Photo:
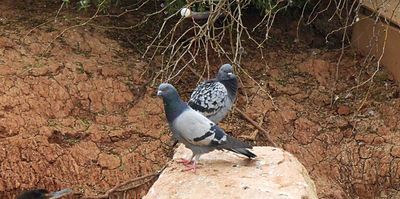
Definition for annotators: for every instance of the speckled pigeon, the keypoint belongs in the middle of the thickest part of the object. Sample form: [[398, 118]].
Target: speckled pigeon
[[43, 194], [196, 131], [214, 98]]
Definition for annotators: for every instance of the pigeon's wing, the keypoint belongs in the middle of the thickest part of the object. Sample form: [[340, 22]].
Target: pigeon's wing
[[197, 129], [208, 98], [200, 131]]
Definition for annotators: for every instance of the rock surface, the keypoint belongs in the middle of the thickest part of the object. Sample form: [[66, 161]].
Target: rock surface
[[273, 174]]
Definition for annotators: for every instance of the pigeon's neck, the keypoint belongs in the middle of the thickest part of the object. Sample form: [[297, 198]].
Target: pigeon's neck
[[173, 108], [231, 86]]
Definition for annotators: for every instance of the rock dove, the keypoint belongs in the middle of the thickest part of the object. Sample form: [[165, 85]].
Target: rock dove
[[43, 194], [196, 131], [214, 98]]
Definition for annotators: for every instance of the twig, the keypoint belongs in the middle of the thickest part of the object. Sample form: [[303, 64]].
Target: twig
[[195, 72], [58, 11], [245, 116], [117, 187], [362, 102], [253, 136], [34, 28], [48, 48]]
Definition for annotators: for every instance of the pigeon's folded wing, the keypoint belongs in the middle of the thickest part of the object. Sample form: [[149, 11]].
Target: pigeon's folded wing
[[208, 98], [198, 130]]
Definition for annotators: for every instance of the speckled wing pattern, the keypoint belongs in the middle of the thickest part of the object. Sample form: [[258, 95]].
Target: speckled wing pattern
[[208, 98]]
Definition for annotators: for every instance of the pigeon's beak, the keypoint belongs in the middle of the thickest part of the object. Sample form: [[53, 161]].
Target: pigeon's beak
[[230, 74], [159, 93]]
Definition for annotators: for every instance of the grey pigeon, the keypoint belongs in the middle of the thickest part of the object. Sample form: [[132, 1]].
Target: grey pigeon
[[43, 194], [196, 131], [214, 98]]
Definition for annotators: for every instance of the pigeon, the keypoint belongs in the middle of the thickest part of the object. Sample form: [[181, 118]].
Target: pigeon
[[214, 98], [194, 130], [43, 194]]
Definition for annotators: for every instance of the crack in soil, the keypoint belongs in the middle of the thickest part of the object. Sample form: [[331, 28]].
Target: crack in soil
[[75, 117]]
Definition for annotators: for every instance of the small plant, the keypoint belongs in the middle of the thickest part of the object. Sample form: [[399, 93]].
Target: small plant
[[83, 4]]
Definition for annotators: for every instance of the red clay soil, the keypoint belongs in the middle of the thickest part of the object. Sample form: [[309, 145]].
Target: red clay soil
[[71, 117], [75, 115]]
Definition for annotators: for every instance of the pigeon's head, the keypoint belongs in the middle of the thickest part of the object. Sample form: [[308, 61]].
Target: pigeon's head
[[173, 105], [34, 194], [167, 91], [226, 72], [43, 194]]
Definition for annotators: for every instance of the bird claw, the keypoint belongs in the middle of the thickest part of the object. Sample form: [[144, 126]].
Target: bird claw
[[189, 164], [191, 167], [184, 161]]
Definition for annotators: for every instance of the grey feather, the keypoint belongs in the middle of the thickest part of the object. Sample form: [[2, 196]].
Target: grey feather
[[214, 98], [194, 130]]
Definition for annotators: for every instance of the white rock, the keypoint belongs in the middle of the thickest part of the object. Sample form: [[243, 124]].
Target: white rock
[[273, 174], [185, 12]]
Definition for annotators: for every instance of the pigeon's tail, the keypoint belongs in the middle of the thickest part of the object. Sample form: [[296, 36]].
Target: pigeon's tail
[[238, 146], [244, 151]]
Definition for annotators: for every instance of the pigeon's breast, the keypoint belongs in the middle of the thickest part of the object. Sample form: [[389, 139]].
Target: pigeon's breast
[[222, 112]]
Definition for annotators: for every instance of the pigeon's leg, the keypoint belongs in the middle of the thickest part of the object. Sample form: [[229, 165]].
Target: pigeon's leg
[[191, 167], [195, 162], [185, 161]]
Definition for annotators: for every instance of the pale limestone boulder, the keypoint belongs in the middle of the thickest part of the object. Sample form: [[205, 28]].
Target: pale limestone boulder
[[275, 173]]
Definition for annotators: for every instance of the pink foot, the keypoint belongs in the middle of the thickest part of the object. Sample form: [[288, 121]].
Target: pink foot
[[191, 167], [184, 161]]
